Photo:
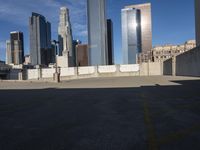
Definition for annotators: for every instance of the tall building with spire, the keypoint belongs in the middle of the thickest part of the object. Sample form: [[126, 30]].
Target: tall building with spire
[[65, 36]]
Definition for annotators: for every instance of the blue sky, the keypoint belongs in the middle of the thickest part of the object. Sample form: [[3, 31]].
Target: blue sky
[[173, 20]]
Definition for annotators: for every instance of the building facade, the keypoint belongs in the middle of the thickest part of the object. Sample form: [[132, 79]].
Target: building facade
[[65, 36], [82, 55], [146, 25], [40, 39], [97, 33], [131, 35], [197, 16], [15, 48], [8, 53], [110, 42], [162, 53]]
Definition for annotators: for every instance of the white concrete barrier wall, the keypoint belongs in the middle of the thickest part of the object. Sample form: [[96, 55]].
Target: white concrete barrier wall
[[107, 69], [144, 69], [67, 72], [32, 74], [155, 69], [129, 68], [86, 70], [48, 73]]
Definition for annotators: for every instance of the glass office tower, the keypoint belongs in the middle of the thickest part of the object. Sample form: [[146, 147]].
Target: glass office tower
[[131, 35], [40, 39], [146, 25], [97, 32], [197, 16]]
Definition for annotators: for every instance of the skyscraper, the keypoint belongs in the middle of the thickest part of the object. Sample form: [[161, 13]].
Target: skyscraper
[[8, 53], [110, 42], [97, 33], [17, 47], [146, 25], [65, 36], [197, 16], [131, 35], [136, 31], [40, 39]]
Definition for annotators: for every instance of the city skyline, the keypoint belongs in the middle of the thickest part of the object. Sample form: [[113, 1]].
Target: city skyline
[[161, 27]]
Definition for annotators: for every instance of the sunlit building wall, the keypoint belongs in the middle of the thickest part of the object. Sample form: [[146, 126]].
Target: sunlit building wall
[[131, 35], [8, 53], [65, 36], [146, 25]]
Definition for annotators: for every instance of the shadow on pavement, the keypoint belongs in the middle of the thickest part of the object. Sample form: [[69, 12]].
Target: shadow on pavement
[[145, 118]]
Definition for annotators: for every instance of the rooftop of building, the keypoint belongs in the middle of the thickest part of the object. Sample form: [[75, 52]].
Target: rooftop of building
[[37, 15], [63, 8], [138, 5], [166, 45], [15, 32]]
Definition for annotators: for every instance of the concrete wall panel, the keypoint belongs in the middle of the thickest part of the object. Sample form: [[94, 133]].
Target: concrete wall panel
[[129, 68]]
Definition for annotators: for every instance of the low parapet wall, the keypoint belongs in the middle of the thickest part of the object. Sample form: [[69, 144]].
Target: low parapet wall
[[186, 64], [144, 69], [167, 69]]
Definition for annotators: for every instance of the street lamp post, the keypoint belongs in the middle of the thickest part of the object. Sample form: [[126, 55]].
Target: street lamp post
[[56, 74]]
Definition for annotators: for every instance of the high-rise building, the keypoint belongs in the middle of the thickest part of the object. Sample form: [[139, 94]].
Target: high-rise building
[[51, 54], [97, 34], [110, 42], [136, 31], [131, 35], [146, 25], [65, 36], [40, 39], [197, 16], [8, 53], [82, 55], [17, 47]]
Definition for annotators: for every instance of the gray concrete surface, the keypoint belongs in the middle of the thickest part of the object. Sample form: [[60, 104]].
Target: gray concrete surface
[[186, 64], [126, 113]]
